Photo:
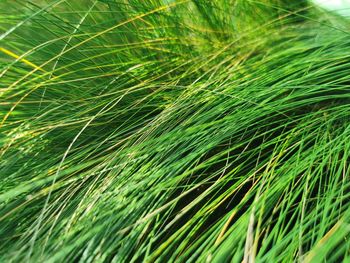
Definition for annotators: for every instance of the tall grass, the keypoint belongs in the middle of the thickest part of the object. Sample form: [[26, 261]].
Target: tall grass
[[174, 131]]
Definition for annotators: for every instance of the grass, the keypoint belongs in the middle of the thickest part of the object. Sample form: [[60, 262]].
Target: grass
[[174, 131]]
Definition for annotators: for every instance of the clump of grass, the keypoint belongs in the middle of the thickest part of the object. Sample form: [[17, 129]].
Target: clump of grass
[[174, 131]]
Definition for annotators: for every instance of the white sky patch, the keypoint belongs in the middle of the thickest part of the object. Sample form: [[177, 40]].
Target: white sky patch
[[342, 7]]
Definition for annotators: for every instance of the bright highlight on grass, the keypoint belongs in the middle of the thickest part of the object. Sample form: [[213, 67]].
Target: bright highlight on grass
[[174, 131]]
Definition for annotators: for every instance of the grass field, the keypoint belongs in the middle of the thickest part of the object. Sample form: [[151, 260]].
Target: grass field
[[174, 131]]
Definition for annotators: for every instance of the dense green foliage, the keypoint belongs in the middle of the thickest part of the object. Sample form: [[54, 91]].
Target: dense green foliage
[[173, 131]]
